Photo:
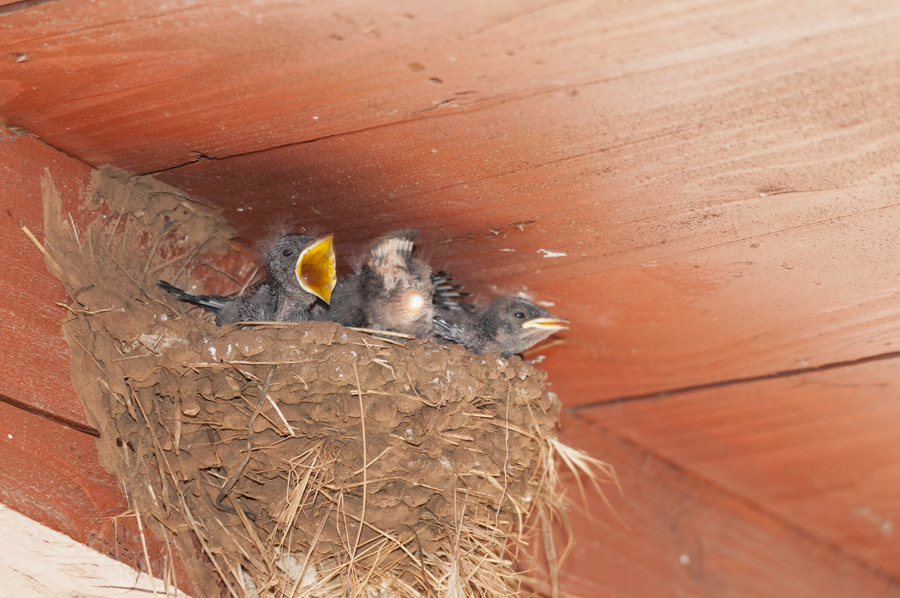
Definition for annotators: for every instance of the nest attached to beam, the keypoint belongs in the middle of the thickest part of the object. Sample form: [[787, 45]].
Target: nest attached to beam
[[296, 459]]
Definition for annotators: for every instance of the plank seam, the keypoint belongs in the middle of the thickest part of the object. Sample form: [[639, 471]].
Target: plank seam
[[802, 532], [790, 373], [69, 423], [22, 5]]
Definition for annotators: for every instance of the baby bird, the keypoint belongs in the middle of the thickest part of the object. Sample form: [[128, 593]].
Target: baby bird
[[509, 325], [392, 291], [300, 268]]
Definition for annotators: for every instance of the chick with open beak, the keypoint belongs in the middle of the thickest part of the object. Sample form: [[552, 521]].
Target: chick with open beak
[[301, 269]]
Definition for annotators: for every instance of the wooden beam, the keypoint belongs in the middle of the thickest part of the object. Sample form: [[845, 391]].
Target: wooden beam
[[815, 451], [160, 85], [31, 340], [676, 535], [49, 468], [47, 563]]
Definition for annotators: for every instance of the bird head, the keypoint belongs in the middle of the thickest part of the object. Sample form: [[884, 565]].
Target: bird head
[[300, 262], [517, 324]]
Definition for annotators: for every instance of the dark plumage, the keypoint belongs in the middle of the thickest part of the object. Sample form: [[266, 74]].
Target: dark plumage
[[446, 294], [300, 268], [509, 325], [392, 291]]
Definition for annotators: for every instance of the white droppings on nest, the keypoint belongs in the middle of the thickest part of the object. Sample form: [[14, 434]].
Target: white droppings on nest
[[159, 341], [297, 566]]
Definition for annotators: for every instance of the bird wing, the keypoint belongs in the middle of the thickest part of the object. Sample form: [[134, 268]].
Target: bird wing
[[447, 295], [448, 332], [211, 303], [389, 257]]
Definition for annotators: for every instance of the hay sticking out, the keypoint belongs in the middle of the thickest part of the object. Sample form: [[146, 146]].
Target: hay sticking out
[[288, 460]]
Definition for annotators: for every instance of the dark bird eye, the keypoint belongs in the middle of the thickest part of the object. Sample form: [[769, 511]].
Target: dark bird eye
[[287, 252], [519, 315]]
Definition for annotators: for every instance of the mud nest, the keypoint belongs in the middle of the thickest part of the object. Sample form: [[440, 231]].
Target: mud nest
[[295, 459]]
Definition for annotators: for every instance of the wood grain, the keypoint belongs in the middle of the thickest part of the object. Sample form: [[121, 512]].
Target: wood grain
[[159, 85], [675, 535], [816, 451], [722, 177], [31, 341], [47, 563], [51, 474]]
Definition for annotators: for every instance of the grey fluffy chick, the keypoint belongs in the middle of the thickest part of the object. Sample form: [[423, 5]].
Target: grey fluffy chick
[[391, 291], [509, 325], [300, 268]]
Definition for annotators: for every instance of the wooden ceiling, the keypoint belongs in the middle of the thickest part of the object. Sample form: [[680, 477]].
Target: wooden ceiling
[[718, 181]]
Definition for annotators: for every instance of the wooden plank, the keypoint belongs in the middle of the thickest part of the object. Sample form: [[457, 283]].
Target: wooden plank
[[31, 340], [49, 468], [51, 474], [680, 536], [815, 451], [47, 563], [161, 84]]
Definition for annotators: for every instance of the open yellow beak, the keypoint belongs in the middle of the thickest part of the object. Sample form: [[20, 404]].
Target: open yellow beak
[[547, 324], [317, 269]]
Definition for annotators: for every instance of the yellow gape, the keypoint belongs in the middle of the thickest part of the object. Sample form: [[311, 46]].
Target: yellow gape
[[316, 269]]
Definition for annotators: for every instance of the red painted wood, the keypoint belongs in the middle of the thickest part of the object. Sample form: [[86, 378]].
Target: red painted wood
[[677, 536], [161, 84], [817, 451], [49, 468], [723, 183], [51, 474], [31, 340]]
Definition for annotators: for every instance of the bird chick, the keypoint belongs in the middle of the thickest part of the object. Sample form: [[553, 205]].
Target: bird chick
[[509, 325], [391, 291], [300, 269]]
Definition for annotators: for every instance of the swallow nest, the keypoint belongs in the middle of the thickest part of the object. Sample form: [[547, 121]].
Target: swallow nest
[[306, 459]]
